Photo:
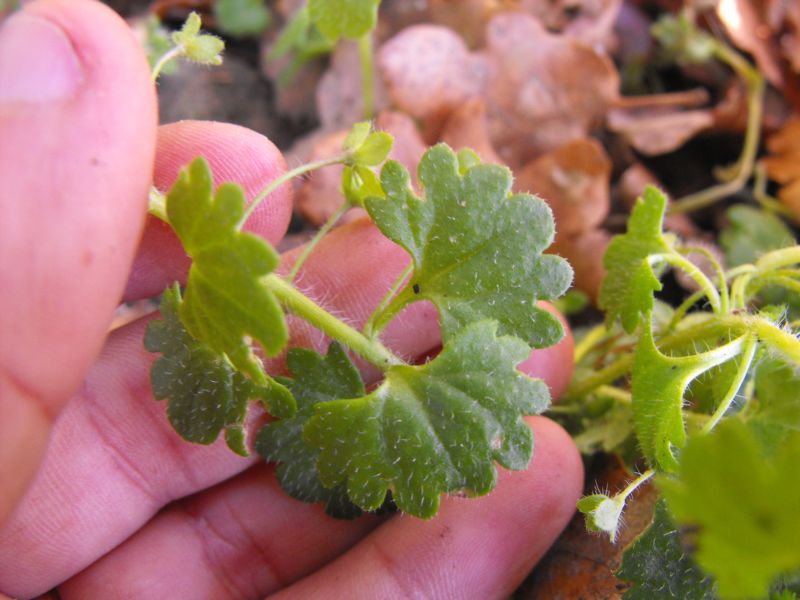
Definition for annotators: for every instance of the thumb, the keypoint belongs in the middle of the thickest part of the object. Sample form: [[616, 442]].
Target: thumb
[[77, 136]]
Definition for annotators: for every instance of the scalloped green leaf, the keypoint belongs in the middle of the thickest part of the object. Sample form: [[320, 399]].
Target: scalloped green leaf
[[627, 290], [225, 303], [658, 385], [742, 498], [317, 379], [659, 567], [344, 18], [477, 249], [204, 392], [432, 428]]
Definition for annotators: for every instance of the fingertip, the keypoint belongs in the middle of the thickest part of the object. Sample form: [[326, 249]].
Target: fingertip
[[235, 154], [553, 364]]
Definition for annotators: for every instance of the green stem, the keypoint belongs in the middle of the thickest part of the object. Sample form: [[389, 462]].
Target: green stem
[[589, 341], [676, 260], [631, 487], [370, 329], [774, 279], [748, 352], [743, 167], [309, 247], [389, 312], [171, 54], [681, 311], [722, 285], [288, 176], [778, 259], [783, 341], [367, 74], [371, 350]]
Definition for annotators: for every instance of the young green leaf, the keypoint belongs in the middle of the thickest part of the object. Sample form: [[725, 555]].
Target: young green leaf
[[242, 18], [744, 504], [202, 48], [477, 249], [204, 392], [627, 290], [317, 379], [658, 385], [224, 300], [344, 18], [433, 428], [658, 566]]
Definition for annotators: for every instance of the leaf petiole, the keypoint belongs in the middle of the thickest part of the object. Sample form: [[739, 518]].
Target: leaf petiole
[[309, 247], [370, 327], [676, 260], [367, 74], [371, 350], [748, 352]]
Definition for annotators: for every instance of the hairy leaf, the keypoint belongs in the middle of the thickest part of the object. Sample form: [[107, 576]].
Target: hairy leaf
[[224, 300], [477, 249], [744, 505], [204, 392], [433, 428], [317, 379], [344, 18], [658, 385], [658, 566], [627, 290]]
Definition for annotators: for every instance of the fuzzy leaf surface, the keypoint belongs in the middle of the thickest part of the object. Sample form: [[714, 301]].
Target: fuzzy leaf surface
[[744, 502], [432, 428], [204, 392], [658, 386], [658, 566], [627, 290], [317, 379], [477, 249], [224, 300], [343, 18]]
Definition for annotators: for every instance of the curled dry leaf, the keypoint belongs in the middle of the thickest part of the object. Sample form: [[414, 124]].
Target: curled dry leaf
[[574, 180], [783, 164], [544, 89], [340, 101], [429, 71], [658, 130], [468, 127], [320, 195]]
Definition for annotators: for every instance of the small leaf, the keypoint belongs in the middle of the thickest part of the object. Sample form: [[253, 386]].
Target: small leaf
[[743, 502], [242, 18], [658, 566], [374, 149], [205, 393], [201, 48], [477, 249], [357, 135], [343, 18], [627, 290], [317, 379], [224, 300], [658, 386], [360, 183], [432, 428]]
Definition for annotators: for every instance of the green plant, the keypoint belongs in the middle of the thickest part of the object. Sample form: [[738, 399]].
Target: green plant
[[703, 404], [429, 429]]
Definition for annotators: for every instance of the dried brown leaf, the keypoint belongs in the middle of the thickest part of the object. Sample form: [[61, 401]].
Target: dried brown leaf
[[574, 180], [658, 130], [468, 127], [544, 89], [783, 164], [429, 71]]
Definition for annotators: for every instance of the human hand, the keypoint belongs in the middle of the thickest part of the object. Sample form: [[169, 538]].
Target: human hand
[[120, 506]]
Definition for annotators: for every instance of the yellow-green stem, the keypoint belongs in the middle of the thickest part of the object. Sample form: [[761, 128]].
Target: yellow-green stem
[[309, 247], [371, 350], [370, 328], [367, 74], [748, 352]]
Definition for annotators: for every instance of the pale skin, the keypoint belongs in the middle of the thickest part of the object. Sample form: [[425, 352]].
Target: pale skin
[[97, 495]]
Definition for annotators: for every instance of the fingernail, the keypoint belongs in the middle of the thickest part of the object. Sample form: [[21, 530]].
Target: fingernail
[[37, 61]]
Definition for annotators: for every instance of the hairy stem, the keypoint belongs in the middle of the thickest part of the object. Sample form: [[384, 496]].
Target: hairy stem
[[370, 327], [371, 350], [288, 176], [169, 55], [676, 260], [309, 247], [748, 352]]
